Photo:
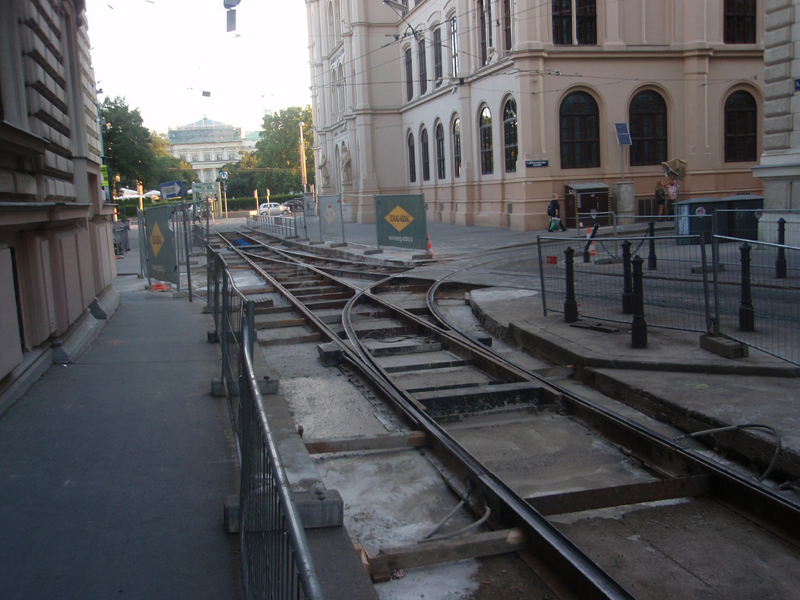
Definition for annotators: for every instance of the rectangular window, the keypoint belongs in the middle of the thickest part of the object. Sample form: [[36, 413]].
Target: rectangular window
[[583, 20], [507, 25], [437, 56], [454, 45], [740, 22], [423, 69], [409, 77]]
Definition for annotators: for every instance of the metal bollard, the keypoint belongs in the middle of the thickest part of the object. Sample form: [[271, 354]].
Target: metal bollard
[[652, 261], [780, 261], [570, 304], [638, 325], [747, 316], [627, 282]]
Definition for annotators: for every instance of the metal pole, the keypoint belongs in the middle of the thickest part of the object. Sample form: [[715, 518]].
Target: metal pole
[[223, 324], [176, 237], [570, 304], [638, 325], [747, 320], [341, 216], [627, 280], [780, 262], [541, 275], [706, 296], [652, 261], [186, 226]]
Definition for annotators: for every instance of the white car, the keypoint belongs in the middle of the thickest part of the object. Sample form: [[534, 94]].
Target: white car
[[271, 209]]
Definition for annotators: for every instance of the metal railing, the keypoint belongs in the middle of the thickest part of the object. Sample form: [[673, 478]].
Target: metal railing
[[276, 560], [280, 225], [746, 290]]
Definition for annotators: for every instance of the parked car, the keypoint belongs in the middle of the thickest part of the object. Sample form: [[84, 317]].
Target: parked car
[[295, 205], [271, 209]]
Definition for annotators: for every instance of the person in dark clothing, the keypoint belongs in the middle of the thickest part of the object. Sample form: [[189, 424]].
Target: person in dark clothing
[[554, 211], [661, 196]]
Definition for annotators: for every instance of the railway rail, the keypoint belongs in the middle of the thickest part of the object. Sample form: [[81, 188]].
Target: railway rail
[[452, 391]]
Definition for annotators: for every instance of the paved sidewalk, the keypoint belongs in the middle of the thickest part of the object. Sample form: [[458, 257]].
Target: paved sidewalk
[[115, 467]]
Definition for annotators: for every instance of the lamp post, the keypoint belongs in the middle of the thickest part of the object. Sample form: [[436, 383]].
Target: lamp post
[[302, 159]]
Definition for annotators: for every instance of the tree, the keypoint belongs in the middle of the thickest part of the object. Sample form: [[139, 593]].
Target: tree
[[278, 150], [128, 145], [242, 176], [165, 166]]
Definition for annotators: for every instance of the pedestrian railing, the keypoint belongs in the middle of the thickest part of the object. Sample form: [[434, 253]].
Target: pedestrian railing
[[746, 290], [276, 561], [279, 225]]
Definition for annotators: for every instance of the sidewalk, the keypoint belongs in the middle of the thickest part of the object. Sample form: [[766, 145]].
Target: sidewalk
[[115, 467]]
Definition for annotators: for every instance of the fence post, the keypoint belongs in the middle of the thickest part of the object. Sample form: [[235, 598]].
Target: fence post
[[780, 262], [590, 240], [223, 324], [652, 261], [638, 325], [627, 282], [747, 317], [570, 304]]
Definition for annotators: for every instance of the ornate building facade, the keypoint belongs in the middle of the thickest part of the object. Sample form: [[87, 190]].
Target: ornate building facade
[[206, 145], [56, 248], [488, 107]]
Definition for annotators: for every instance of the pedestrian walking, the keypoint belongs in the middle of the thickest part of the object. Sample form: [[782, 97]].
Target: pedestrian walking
[[554, 212], [661, 196]]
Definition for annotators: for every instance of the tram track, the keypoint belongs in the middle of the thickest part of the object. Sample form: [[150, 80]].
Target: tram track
[[395, 337]]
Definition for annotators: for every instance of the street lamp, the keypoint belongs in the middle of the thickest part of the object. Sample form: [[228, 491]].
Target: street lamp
[[302, 159]]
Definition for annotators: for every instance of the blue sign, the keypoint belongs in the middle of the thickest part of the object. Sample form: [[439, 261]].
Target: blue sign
[[623, 135], [173, 189], [797, 85], [223, 174], [531, 164]]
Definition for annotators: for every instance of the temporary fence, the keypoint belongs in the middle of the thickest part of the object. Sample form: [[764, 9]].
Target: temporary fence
[[282, 225], [275, 557], [743, 289]]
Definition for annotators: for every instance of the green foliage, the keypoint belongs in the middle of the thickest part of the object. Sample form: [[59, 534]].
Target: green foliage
[[134, 152], [278, 150]]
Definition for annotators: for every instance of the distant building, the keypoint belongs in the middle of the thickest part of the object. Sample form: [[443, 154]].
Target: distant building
[[56, 239], [488, 107], [250, 139], [206, 145]]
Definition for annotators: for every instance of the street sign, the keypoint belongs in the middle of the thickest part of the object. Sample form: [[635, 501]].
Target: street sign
[[623, 135], [223, 174], [401, 221], [173, 189], [532, 164]]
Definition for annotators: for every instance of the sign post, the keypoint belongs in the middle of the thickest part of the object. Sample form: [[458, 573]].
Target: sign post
[[624, 139]]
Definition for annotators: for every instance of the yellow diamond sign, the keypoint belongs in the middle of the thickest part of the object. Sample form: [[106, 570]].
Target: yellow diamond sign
[[399, 219], [329, 214], [156, 240]]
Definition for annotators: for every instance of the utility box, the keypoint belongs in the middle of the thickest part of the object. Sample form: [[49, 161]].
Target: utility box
[[740, 219], [587, 203], [695, 217]]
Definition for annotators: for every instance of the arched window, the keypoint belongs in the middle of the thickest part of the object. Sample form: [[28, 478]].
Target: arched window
[[342, 98], [412, 161], [337, 21], [741, 128], [409, 76], [579, 124], [648, 120], [485, 129], [426, 162], [739, 22], [457, 148], [440, 151], [510, 134], [334, 93], [454, 46], [423, 68], [331, 31]]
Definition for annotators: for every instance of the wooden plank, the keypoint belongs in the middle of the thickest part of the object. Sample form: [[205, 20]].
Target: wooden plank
[[436, 553], [636, 493], [389, 441]]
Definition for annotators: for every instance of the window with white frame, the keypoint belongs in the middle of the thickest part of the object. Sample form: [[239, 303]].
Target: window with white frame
[[574, 22], [409, 76], [437, 57], [454, 45], [423, 68]]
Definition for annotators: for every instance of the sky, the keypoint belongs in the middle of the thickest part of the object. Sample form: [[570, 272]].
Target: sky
[[162, 54]]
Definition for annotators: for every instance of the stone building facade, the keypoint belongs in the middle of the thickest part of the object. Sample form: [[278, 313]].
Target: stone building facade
[[206, 145], [56, 248], [488, 107], [780, 163]]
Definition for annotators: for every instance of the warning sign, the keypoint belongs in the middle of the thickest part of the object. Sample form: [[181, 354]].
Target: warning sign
[[156, 240], [329, 214], [399, 219]]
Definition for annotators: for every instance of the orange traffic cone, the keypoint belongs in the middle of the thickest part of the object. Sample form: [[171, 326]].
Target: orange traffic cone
[[430, 247], [592, 251]]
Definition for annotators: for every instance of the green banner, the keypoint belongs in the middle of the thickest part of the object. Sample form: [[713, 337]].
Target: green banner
[[401, 221], [161, 261]]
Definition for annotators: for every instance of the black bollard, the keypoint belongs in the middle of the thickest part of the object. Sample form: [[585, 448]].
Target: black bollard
[[570, 304], [747, 315], [652, 261], [627, 282], [638, 325], [780, 261]]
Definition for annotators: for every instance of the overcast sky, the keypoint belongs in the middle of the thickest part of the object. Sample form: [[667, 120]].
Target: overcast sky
[[162, 54]]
